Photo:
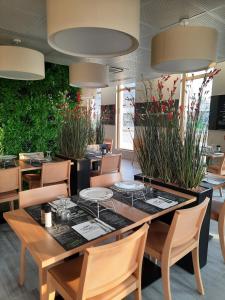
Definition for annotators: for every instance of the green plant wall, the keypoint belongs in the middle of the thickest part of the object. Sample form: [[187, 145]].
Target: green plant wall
[[31, 111]]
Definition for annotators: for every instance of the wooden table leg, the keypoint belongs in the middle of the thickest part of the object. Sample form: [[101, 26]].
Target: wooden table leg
[[43, 283], [22, 264]]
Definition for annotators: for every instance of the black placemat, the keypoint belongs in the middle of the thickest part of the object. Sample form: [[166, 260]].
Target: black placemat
[[67, 237], [149, 194]]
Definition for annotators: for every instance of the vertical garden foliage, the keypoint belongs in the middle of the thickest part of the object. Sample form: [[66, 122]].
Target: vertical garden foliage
[[31, 111]]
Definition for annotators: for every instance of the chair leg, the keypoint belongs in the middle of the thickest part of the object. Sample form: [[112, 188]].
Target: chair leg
[[50, 289], [22, 264], [11, 204], [195, 260], [221, 224], [137, 294], [165, 269]]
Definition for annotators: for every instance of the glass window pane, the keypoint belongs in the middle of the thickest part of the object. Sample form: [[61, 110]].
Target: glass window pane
[[127, 97]]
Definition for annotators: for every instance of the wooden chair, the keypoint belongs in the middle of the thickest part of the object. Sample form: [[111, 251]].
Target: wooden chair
[[105, 180], [33, 179], [218, 214], [111, 271], [109, 143], [10, 184], [168, 244], [110, 164], [34, 197], [56, 172], [42, 195], [218, 167]]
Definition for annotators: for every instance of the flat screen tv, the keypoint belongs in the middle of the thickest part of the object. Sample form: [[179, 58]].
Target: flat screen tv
[[217, 113]]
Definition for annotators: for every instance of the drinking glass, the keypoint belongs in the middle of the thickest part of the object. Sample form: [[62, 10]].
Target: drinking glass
[[48, 156], [65, 214]]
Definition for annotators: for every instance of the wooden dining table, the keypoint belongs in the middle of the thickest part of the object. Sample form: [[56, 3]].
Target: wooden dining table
[[213, 181], [47, 252]]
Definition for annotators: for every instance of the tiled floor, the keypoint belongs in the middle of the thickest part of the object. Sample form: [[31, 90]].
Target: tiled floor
[[183, 284]]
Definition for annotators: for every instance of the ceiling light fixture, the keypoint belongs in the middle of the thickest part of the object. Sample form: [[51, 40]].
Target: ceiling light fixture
[[89, 75], [184, 49], [21, 63], [90, 28]]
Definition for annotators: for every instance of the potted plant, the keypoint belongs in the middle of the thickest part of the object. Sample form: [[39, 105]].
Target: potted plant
[[99, 131], [169, 144], [73, 141]]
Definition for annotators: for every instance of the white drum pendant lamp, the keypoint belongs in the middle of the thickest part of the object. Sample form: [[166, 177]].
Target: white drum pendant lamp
[[184, 49], [93, 28], [89, 75], [21, 63]]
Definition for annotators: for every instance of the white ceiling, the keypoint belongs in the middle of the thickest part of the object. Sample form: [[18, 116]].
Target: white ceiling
[[26, 19]]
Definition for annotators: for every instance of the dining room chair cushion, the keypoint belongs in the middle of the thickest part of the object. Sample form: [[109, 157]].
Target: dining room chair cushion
[[215, 209]]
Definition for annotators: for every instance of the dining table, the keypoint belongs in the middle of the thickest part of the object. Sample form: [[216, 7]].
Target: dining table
[[213, 181], [47, 251]]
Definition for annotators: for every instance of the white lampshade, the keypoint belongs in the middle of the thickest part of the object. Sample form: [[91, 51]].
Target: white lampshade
[[87, 93], [21, 63], [93, 28], [90, 75], [184, 49]]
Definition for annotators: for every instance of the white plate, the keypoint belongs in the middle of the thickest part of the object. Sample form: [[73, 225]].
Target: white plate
[[7, 157], [96, 194], [218, 154], [129, 185]]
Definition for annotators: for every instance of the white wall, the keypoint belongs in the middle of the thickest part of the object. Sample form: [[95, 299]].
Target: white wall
[[217, 137]]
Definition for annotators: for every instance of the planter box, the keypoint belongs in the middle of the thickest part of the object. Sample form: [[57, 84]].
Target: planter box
[[186, 262], [80, 174]]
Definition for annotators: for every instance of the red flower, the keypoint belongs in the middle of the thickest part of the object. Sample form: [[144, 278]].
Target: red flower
[[78, 97], [163, 107], [170, 116]]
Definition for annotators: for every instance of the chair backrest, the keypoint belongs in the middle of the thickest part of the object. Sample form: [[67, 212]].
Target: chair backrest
[[31, 155], [222, 165], [42, 195], [115, 263], [105, 180], [10, 180], [109, 143], [185, 227], [110, 163], [55, 172]]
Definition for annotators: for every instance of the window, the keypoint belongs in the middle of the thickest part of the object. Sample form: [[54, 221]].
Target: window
[[95, 104], [126, 113]]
